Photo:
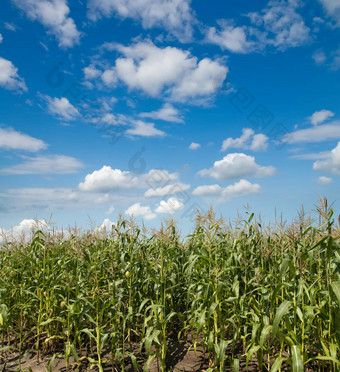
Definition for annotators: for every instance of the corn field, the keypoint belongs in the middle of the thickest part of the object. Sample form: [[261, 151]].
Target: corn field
[[245, 294]]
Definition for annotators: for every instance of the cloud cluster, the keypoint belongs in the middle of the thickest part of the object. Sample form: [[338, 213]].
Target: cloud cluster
[[170, 71], [194, 146], [53, 15], [62, 108], [239, 188], [166, 190], [248, 141], [332, 8], [237, 165], [324, 180], [25, 229], [143, 129], [11, 139], [137, 210], [108, 179], [175, 16], [166, 113], [170, 206], [331, 164], [318, 133], [321, 116], [48, 164], [9, 78], [278, 25]]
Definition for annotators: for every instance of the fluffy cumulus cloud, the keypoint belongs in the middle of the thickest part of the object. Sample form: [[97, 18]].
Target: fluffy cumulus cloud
[[318, 133], [320, 116], [230, 37], [194, 146], [169, 70], [175, 16], [331, 164], [324, 180], [172, 205], [143, 129], [62, 108], [248, 141], [280, 24], [48, 164], [319, 57], [107, 225], [108, 179], [237, 165], [9, 78], [332, 8], [240, 188], [166, 113], [172, 189], [137, 210], [11, 139], [207, 190], [25, 229], [52, 14]]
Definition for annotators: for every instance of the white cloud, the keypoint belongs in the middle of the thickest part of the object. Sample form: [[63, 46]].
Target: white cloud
[[319, 133], [248, 141], [166, 190], [25, 229], [331, 164], [48, 164], [107, 225], [259, 142], [9, 78], [319, 57], [37, 199], [283, 27], [10, 26], [137, 209], [173, 15], [142, 129], [13, 140], [108, 179], [207, 190], [324, 180], [320, 116], [332, 8], [62, 108], [172, 205], [230, 37], [1, 38], [109, 77], [53, 14], [240, 188], [237, 165], [194, 146], [168, 70], [202, 81], [166, 113], [91, 72]]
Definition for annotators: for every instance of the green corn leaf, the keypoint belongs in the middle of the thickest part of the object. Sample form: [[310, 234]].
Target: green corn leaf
[[277, 364], [282, 310], [297, 362]]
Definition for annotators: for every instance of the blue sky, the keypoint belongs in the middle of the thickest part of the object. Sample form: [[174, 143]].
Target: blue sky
[[159, 108]]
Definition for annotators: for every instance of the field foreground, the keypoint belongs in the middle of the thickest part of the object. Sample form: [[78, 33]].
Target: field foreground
[[246, 297]]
